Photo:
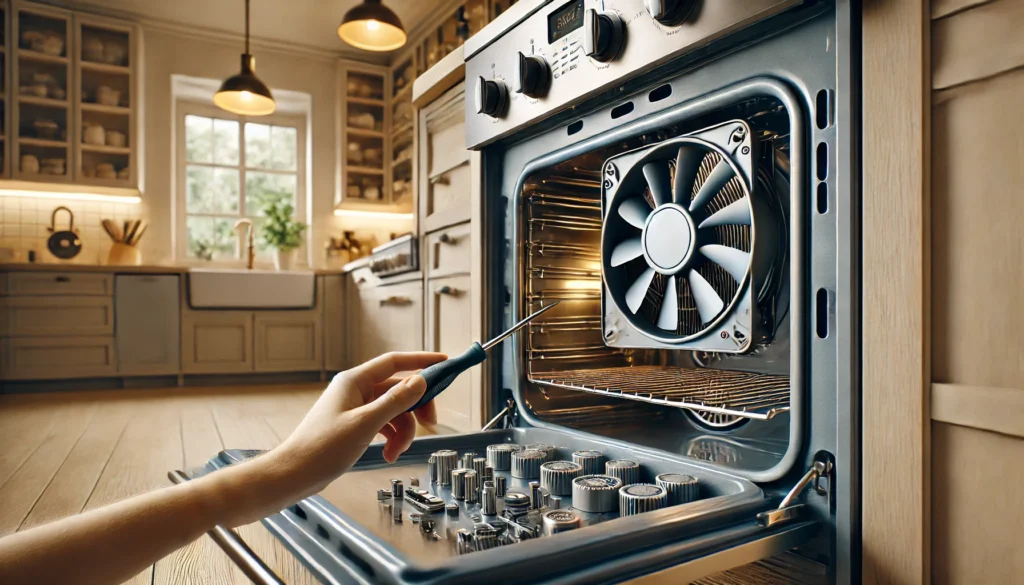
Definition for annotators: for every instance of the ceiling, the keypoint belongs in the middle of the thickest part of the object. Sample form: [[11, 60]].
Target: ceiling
[[303, 23]]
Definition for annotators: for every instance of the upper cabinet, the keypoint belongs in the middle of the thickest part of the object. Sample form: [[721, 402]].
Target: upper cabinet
[[72, 98], [364, 121]]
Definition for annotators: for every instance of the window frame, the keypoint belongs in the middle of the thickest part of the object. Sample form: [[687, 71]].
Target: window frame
[[180, 192]]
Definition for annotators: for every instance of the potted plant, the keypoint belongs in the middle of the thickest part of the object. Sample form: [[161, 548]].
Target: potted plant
[[282, 233]]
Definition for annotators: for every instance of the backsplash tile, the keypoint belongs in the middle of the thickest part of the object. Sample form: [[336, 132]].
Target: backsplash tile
[[25, 222]]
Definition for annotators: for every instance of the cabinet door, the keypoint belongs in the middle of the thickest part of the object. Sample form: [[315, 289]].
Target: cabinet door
[[216, 342], [449, 251], [148, 310], [390, 319], [335, 323], [62, 357], [445, 186], [448, 331], [62, 315], [288, 341]]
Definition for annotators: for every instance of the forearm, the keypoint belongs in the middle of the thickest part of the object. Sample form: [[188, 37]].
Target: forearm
[[113, 543]]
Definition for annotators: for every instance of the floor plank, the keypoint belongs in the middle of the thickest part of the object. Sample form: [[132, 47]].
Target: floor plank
[[22, 436], [21, 492]]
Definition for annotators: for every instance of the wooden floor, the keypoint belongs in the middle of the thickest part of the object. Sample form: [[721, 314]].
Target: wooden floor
[[69, 452]]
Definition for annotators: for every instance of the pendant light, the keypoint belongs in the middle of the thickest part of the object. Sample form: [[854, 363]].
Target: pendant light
[[244, 93], [373, 27]]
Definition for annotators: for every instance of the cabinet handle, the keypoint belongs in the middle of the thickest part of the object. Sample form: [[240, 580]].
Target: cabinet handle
[[447, 290], [361, 280], [440, 180], [62, 279], [398, 301], [446, 238]]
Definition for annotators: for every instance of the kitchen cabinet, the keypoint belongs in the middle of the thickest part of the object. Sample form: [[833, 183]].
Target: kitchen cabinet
[[56, 315], [449, 331], [64, 356], [217, 342], [390, 318], [449, 251], [287, 341], [446, 176], [148, 330], [57, 283], [365, 136], [335, 323]]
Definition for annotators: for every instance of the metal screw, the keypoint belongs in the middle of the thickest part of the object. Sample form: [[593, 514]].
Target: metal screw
[[745, 150], [725, 335]]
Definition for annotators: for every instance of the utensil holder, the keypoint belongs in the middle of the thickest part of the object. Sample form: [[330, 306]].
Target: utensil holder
[[124, 255]]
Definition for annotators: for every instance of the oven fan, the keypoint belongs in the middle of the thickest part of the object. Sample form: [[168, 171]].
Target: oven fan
[[689, 244]]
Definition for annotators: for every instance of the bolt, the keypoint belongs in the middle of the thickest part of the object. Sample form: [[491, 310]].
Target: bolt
[[745, 150], [725, 335]]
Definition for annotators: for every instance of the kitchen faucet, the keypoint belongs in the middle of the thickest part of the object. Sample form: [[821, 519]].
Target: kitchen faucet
[[251, 231]]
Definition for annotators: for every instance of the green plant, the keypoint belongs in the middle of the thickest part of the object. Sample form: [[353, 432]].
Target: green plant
[[202, 249], [279, 229]]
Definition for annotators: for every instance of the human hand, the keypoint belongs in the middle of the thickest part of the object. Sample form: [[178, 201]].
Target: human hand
[[356, 406]]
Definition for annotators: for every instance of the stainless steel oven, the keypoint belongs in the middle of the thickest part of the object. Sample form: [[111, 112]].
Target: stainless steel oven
[[682, 176]]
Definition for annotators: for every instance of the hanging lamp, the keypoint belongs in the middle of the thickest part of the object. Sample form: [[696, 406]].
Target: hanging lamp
[[373, 27], [244, 93]]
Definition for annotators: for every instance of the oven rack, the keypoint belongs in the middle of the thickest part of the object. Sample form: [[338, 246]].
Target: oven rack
[[752, 396]]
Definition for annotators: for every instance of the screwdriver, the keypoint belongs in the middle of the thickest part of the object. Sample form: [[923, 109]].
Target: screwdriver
[[441, 375]]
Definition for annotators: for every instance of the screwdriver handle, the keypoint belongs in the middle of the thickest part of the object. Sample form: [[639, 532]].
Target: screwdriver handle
[[441, 375]]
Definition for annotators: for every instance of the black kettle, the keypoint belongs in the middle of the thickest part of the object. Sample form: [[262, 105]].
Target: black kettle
[[63, 244]]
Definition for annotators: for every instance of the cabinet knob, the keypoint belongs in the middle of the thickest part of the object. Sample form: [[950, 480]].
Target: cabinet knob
[[447, 239], [447, 290]]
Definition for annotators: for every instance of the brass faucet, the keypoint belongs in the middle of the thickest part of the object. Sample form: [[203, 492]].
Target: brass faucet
[[252, 247]]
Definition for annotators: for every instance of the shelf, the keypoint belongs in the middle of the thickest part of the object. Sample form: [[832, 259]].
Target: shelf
[[104, 149], [363, 132], [365, 101], [401, 94], [30, 55], [106, 68], [40, 101], [102, 109], [407, 127], [401, 162], [25, 141], [364, 170]]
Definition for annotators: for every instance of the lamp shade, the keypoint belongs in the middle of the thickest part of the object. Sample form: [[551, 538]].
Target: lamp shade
[[244, 93], [371, 26]]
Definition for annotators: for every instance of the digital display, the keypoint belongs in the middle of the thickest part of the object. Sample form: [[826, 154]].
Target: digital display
[[565, 20]]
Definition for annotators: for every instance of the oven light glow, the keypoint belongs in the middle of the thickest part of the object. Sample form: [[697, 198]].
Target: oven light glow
[[594, 284], [70, 196], [376, 214]]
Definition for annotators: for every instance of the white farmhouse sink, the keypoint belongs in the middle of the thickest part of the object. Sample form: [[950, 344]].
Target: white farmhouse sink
[[211, 288]]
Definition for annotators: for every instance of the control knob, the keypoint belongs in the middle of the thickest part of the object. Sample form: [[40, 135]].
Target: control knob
[[491, 97], [532, 75], [669, 12], [603, 34]]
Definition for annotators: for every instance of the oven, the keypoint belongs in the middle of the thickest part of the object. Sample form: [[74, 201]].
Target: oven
[[682, 178]]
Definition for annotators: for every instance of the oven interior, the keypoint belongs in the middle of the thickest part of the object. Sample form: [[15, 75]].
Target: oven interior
[[729, 409]]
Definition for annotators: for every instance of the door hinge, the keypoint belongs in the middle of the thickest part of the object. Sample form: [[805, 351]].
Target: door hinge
[[787, 510], [507, 417]]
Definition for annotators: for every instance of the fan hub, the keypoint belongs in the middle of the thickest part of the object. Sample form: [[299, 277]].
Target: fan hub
[[668, 239]]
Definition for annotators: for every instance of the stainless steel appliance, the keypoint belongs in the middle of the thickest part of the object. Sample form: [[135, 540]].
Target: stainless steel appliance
[[682, 177], [399, 256]]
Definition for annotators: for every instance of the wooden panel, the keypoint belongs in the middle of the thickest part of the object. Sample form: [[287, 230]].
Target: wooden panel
[[51, 358], [449, 251], [977, 43], [977, 509], [391, 319], [895, 283], [446, 133], [447, 198], [334, 323], [980, 407], [942, 8], [216, 342], [288, 341], [978, 243], [445, 187], [148, 312], [448, 331], [63, 315], [59, 283]]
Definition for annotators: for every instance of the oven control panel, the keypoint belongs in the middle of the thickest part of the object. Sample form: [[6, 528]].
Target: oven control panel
[[567, 51]]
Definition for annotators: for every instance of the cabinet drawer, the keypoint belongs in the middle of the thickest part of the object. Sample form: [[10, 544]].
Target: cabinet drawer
[[58, 283], [449, 251], [391, 318], [448, 331], [363, 278], [448, 197], [60, 315], [288, 341], [216, 342], [49, 358]]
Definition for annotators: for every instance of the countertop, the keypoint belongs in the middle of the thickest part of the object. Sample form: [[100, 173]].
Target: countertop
[[144, 269]]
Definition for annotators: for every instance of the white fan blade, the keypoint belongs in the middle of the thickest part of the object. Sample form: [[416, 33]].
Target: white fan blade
[[734, 261], [688, 161], [668, 319], [626, 251], [638, 290], [635, 211], [709, 304], [719, 176], [657, 176], [736, 213]]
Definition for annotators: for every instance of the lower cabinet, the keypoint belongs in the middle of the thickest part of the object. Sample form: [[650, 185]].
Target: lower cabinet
[[389, 318], [63, 356], [288, 341], [335, 323], [448, 331], [217, 342]]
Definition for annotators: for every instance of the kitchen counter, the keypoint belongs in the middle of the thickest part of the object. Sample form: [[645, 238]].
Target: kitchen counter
[[144, 269]]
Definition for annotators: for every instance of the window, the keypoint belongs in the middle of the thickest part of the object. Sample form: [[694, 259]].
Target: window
[[229, 168]]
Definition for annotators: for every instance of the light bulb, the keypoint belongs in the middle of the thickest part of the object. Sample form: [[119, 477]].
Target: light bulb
[[246, 96], [372, 25]]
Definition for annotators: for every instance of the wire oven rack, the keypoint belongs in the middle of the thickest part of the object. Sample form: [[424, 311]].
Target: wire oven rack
[[561, 261]]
